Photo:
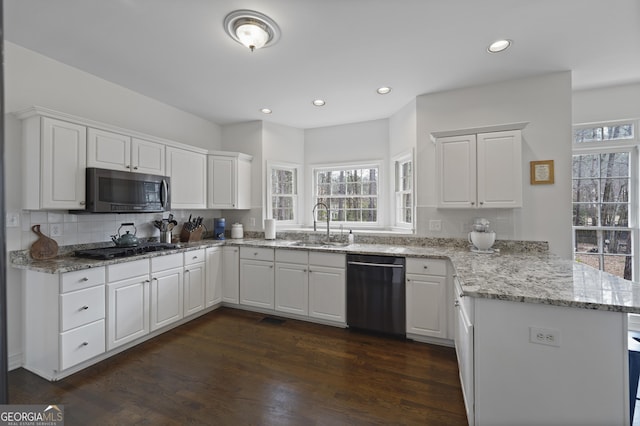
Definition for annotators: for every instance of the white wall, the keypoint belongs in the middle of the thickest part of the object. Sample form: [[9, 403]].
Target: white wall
[[349, 143], [544, 102], [606, 104], [33, 79], [403, 136]]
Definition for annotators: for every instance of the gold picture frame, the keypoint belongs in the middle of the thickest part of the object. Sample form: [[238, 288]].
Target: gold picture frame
[[542, 172]]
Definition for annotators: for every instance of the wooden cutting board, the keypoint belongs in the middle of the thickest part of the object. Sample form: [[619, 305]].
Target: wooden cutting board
[[44, 247]]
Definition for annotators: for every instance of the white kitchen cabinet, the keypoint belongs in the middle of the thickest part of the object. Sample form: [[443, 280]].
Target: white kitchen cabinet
[[166, 290], [194, 281], [64, 320], [292, 282], [426, 296], [188, 173], [482, 170], [128, 292], [114, 151], [231, 275], [213, 270], [464, 348], [229, 180], [257, 285], [54, 162], [327, 286]]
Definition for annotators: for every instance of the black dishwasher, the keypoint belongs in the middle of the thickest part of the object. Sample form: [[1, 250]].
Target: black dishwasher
[[376, 298]]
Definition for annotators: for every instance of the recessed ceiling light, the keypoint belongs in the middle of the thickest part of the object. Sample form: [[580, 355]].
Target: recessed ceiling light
[[319, 102], [499, 46], [265, 111], [383, 90]]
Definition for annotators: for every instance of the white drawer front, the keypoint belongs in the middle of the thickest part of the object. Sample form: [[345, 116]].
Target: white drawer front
[[333, 260], [76, 280], [81, 307], [162, 263], [81, 344], [292, 256], [256, 253], [126, 270], [194, 256], [426, 266]]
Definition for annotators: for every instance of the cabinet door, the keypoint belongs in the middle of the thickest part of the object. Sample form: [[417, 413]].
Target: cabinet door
[[108, 150], [213, 286], [464, 351], [147, 157], [188, 173], [166, 297], [499, 157], [231, 275], [292, 288], [127, 310], [327, 293], [64, 159], [426, 305], [222, 182], [194, 288], [257, 283], [456, 171]]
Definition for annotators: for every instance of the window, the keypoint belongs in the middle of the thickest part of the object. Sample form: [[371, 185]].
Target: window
[[350, 192], [404, 190], [604, 201], [283, 193]]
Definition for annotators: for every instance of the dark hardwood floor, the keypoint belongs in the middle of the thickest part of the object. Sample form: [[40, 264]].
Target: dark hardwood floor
[[230, 367]]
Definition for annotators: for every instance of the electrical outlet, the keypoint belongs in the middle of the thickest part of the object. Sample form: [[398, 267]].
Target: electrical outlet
[[435, 225], [55, 229], [12, 219], [544, 336], [252, 221]]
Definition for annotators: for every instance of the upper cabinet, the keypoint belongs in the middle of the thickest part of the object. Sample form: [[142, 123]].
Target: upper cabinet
[[481, 170], [114, 151], [229, 180], [54, 160], [188, 172]]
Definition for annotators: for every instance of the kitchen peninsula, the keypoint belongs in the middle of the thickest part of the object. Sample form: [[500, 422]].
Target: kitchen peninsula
[[529, 327]]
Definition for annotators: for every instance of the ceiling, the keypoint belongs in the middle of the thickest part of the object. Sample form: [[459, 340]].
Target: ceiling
[[339, 50]]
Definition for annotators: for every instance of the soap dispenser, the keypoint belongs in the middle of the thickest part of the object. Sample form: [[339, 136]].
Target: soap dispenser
[[350, 236]]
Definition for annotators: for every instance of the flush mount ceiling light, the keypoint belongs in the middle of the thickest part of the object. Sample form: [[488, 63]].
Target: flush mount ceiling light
[[499, 46], [383, 90], [319, 102], [252, 29], [265, 111]]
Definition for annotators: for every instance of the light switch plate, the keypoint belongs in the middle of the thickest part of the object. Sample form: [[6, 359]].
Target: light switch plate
[[435, 225], [12, 219]]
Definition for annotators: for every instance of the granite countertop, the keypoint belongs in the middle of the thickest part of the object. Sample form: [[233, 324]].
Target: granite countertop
[[519, 276]]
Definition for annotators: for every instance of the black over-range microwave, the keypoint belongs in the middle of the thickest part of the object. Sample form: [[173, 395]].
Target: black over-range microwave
[[113, 191]]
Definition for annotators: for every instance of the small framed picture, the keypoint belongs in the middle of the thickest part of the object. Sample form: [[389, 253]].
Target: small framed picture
[[542, 172]]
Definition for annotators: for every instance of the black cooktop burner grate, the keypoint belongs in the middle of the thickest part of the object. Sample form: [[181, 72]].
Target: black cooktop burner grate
[[115, 252]]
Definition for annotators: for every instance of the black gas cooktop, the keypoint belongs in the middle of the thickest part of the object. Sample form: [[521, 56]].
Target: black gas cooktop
[[115, 252]]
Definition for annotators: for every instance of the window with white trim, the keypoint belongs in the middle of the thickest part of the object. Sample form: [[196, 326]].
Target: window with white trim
[[404, 190], [283, 193], [351, 192], [604, 201]]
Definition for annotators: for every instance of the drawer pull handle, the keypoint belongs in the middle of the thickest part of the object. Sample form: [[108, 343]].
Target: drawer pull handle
[[84, 279], [85, 344], [425, 267], [194, 257], [84, 308], [456, 303]]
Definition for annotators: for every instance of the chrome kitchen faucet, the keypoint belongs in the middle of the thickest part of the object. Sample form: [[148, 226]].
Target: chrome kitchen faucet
[[328, 217]]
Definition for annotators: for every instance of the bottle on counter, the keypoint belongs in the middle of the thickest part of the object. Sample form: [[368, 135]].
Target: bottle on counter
[[350, 236]]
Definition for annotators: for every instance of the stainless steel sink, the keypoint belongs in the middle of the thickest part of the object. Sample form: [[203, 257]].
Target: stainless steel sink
[[319, 244]]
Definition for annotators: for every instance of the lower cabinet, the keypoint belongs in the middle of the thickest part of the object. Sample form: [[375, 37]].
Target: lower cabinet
[[231, 275], [194, 281], [426, 295], [127, 302], [327, 286], [166, 290], [257, 277], [463, 337], [213, 276], [292, 282]]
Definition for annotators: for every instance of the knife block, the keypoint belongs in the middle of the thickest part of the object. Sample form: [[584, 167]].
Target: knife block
[[187, 236]]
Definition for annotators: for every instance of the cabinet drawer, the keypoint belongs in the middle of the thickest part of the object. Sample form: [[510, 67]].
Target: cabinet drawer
[[81, 307], [126, 270], [292, 256], [77, 280], [426, 266], [81, 344], [333, 260], [256, 253], [162, 263], [194, 256]]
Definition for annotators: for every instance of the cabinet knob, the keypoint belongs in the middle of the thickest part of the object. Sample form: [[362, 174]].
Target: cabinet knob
[[255, 254], [135, 168], [304, 270], [85, 344], [194, 257], [186, 270], [271, 266], [456, 303], [146, 281], [84, 279], [461, 294], [154, 279], [84, 308], [128, 166], [425, 267], [473, 204], [82, 203], [481, 203]]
